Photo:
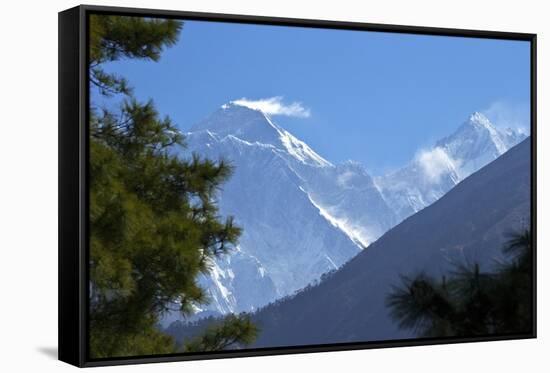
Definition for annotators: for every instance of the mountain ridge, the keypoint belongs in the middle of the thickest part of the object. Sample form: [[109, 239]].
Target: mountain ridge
[[470, 223], [283, 189], [435, 171]]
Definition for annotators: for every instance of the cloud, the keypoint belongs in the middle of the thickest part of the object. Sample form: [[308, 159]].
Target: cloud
[[344, 178], [275, 106], [507, 115], [435, 163]]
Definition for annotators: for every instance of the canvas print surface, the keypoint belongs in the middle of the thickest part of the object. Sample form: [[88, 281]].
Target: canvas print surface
[[257, 186]]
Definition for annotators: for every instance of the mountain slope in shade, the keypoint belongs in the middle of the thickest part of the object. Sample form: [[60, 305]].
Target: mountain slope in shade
[[301, 215], [432, 173], [469, 223]]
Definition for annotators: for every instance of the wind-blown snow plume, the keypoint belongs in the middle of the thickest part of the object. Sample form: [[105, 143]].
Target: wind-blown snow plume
[[435, 163], [505, 115], [275, 106]]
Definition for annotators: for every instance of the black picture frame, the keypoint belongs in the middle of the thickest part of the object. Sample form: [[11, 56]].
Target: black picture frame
[[73, 179]]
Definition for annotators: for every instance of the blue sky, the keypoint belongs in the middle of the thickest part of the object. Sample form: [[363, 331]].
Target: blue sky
[[372, 97]]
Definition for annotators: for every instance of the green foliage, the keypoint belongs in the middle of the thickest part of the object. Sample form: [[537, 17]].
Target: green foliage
[[470, 302], [154, 224], [116, 37], [231, 332]]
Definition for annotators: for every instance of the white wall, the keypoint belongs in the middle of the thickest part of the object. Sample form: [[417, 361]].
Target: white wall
[[28, 184]]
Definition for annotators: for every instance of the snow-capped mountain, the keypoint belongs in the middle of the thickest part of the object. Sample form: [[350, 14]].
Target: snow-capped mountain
[[435, 171], [303, 216], [470, 224]]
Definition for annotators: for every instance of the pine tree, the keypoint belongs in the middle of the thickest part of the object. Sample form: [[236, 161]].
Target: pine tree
[[231, 332], [470, 302], [154, 224]]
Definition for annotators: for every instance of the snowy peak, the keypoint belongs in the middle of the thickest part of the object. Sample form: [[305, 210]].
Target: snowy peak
[[475, 128], [433, 172], [478, 137], [256, 127], [301, 215], [478, 119], [244, 123]]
